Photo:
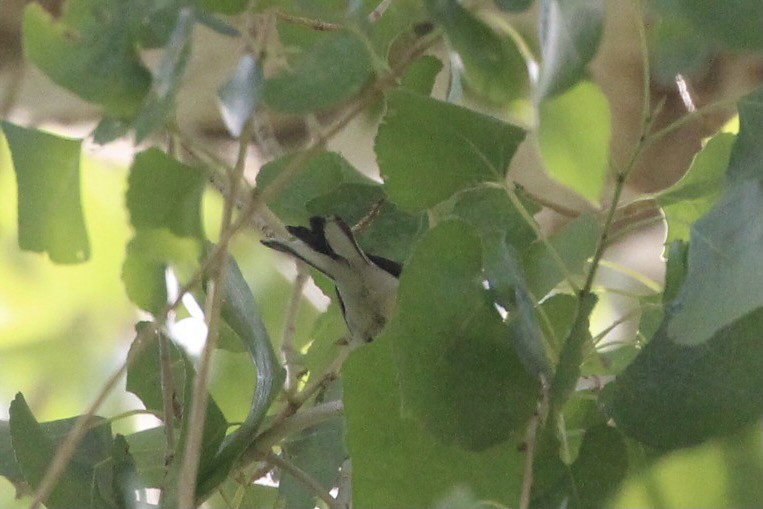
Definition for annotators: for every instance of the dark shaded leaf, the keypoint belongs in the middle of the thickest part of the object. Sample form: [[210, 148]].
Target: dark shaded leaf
[[570, 31], [459, 373], [735, 24], [676, 395], [389, 450], [599, 469], [82, 482]]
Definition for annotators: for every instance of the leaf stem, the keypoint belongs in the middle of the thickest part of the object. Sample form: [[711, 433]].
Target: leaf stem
[[291, 358]]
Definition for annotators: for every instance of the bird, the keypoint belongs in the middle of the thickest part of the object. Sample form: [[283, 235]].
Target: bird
[[366, 285]]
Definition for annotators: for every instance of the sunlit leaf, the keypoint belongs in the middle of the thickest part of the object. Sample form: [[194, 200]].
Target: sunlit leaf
[[573, 136], [693, 196], [471, 148], [723, 473], [149, 254], [48, 175]]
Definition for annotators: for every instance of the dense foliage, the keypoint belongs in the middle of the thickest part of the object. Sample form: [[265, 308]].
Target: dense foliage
[[492, 383]]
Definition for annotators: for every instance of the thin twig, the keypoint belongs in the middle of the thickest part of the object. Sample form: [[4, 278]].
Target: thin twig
[[192, 454], [292, 358], [378, 11], [369, 218], [167, 384], [315, 24], [531, 436], [314, 486]]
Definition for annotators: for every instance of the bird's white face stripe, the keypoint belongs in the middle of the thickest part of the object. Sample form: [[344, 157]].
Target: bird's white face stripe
[[343, 242]]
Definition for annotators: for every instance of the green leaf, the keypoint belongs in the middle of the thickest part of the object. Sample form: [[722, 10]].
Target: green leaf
[[506, 280], [90, 51], [573, 137], [147, 448], [676, 395], [240, 94], [573, 351], [163, 193], [420, 75], [388, 450], [144, 373], [9, 467], [491, 211], [734, 24], [694, 195], [48, 175], [599, 469], [318, 451], [472, 148], [459, 373], [676, 47], [723, 473], [228, 7], [570, 31], [327, 73], [242, 315], [493, 66], [160, 102], [513, 5], [81, 483], [320, 176], [149, 254], [725, 277], [574, 243]]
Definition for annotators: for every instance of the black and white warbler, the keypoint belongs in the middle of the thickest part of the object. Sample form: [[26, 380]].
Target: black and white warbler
[[366, 284]]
